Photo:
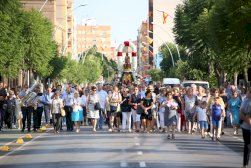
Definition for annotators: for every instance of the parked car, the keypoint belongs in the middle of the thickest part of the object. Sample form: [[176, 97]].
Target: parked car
[[188, 83]]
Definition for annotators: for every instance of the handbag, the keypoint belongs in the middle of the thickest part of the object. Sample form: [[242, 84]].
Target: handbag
[[113, 109], [62, 112], [97, 106]]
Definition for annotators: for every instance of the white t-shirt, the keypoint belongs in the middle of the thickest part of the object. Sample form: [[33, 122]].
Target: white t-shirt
[[102, 97], [83, 100], [77, 102], [202, 114], [68, 99], [189, 103]]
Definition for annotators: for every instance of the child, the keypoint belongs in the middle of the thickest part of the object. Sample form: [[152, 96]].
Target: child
[[216, 113], [201, 113]]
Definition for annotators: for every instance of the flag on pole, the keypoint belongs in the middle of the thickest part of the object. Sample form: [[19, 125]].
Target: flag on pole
[[164, 17]]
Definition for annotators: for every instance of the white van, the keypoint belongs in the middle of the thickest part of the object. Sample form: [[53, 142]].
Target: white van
[[188, 83], [171, 82]]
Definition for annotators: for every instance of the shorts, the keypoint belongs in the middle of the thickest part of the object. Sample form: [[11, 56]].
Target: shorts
[[203, 125], [216, 123], [189, 116], [135, 116], [171, 121]]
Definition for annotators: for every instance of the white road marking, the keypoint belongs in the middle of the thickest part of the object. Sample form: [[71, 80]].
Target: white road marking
[[123, 164], [239, 139], [142, 164], [20, 147], [139, 153]]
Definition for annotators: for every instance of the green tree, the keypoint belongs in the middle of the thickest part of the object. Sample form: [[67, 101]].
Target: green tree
[[58, 64], [183, 71], [39, 44], [166, 63], [230, 28], [156, 74], [92, 68], [216, 34], [11, 50]]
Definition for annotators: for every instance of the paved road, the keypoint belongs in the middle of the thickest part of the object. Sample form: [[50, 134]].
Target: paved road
[[103, 149]]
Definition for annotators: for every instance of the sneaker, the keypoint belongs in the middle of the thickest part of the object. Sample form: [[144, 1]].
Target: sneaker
[[218, 139], [168, 136], [173, 137], [235, 132], [109, 130], [129, 130]]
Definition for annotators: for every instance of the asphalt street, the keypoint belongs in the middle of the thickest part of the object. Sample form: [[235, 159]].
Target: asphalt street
[[114, 150]]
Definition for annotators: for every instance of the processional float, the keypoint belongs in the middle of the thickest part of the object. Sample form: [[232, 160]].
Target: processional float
[[127, 63]]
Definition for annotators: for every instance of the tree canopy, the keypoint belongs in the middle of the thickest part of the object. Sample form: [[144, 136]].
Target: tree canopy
[[215, 34]]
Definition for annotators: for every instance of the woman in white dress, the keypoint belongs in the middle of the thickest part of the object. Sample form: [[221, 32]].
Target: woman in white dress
[[92, 101], [77, 114]]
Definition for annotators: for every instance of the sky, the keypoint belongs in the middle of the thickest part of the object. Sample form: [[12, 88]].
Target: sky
[[124, 16]]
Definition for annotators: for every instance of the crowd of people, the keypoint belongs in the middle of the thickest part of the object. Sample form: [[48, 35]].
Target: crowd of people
[[136, 108]]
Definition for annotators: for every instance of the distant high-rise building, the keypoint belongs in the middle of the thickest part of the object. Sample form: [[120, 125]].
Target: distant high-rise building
[[143, 48], [89, 36], [60, 13]]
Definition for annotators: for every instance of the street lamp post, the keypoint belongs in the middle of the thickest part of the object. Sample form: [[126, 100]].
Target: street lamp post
[[169, 50], [176, 46], [43, 5]]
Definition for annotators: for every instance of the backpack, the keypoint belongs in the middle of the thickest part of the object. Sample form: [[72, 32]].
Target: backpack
[[216, 112]]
